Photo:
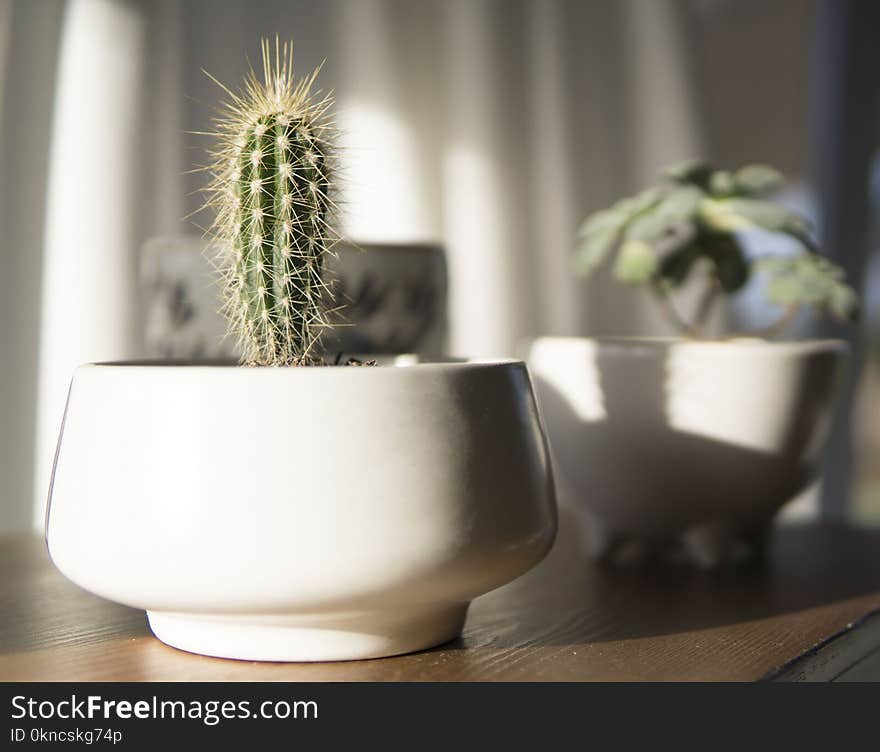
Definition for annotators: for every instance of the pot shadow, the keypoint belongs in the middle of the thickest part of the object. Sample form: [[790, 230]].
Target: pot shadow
[[570, 599]]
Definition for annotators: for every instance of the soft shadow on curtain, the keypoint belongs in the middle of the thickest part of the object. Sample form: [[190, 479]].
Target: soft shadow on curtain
[[29, 40], [492, 125]]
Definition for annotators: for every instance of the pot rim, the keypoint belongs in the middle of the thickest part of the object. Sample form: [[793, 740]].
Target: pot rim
[[745, 343], [394, 246], [231, 365]]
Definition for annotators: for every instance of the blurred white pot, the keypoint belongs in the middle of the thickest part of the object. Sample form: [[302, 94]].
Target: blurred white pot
[[683, 447], [318, 513], [391, 297]]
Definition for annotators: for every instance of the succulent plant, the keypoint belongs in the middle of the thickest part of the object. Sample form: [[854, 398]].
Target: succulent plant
[[271, 193], [695, 214]]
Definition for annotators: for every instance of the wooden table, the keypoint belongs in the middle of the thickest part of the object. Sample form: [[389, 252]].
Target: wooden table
[[812, 611]]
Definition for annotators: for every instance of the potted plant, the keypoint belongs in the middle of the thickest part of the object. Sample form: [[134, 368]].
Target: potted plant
[[287, 508], [688, 446]]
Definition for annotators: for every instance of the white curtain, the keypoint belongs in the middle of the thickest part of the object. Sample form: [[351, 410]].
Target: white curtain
[[29, 41], [491, 125]]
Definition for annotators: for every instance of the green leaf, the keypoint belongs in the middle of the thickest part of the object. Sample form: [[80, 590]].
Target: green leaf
[[641, 202], [677, 236], [766, 214], [812, 280], [731, 214], [593, 248], [675, 211], [648, 227], [718, 215], [843, 303], [636, 262], [680, 204], [601, 232], [756, 179], [600, 221], [721, 183], [694, 171]]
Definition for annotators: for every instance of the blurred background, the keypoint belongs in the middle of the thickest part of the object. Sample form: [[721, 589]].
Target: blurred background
[[488, 127]]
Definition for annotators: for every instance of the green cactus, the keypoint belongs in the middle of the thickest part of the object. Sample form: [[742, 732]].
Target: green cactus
[[695, 214], [271, 192]]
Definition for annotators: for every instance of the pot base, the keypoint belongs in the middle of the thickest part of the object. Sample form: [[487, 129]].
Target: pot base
[[309, 637], [706, 546]]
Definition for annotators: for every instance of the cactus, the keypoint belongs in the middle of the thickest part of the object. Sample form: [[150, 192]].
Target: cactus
[[695, 214], [271, 193]]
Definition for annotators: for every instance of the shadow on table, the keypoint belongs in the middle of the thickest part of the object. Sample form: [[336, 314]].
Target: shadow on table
[[37, 610], [565, 600], [569, 599]]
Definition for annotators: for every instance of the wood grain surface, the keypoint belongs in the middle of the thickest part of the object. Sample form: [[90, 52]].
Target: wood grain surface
[[805, 613]]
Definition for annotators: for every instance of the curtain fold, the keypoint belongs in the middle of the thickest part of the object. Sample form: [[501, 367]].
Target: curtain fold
[[29, 40]]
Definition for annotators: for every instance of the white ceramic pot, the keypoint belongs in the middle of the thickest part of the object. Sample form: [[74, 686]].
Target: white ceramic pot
[[683, 447], [320, 513], [392, 297]]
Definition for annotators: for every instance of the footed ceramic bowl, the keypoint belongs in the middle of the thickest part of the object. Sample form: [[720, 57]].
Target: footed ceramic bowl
[[683, 447], [300, 514]]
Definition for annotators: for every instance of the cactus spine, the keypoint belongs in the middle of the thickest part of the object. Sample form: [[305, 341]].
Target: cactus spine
[[270, 190]]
